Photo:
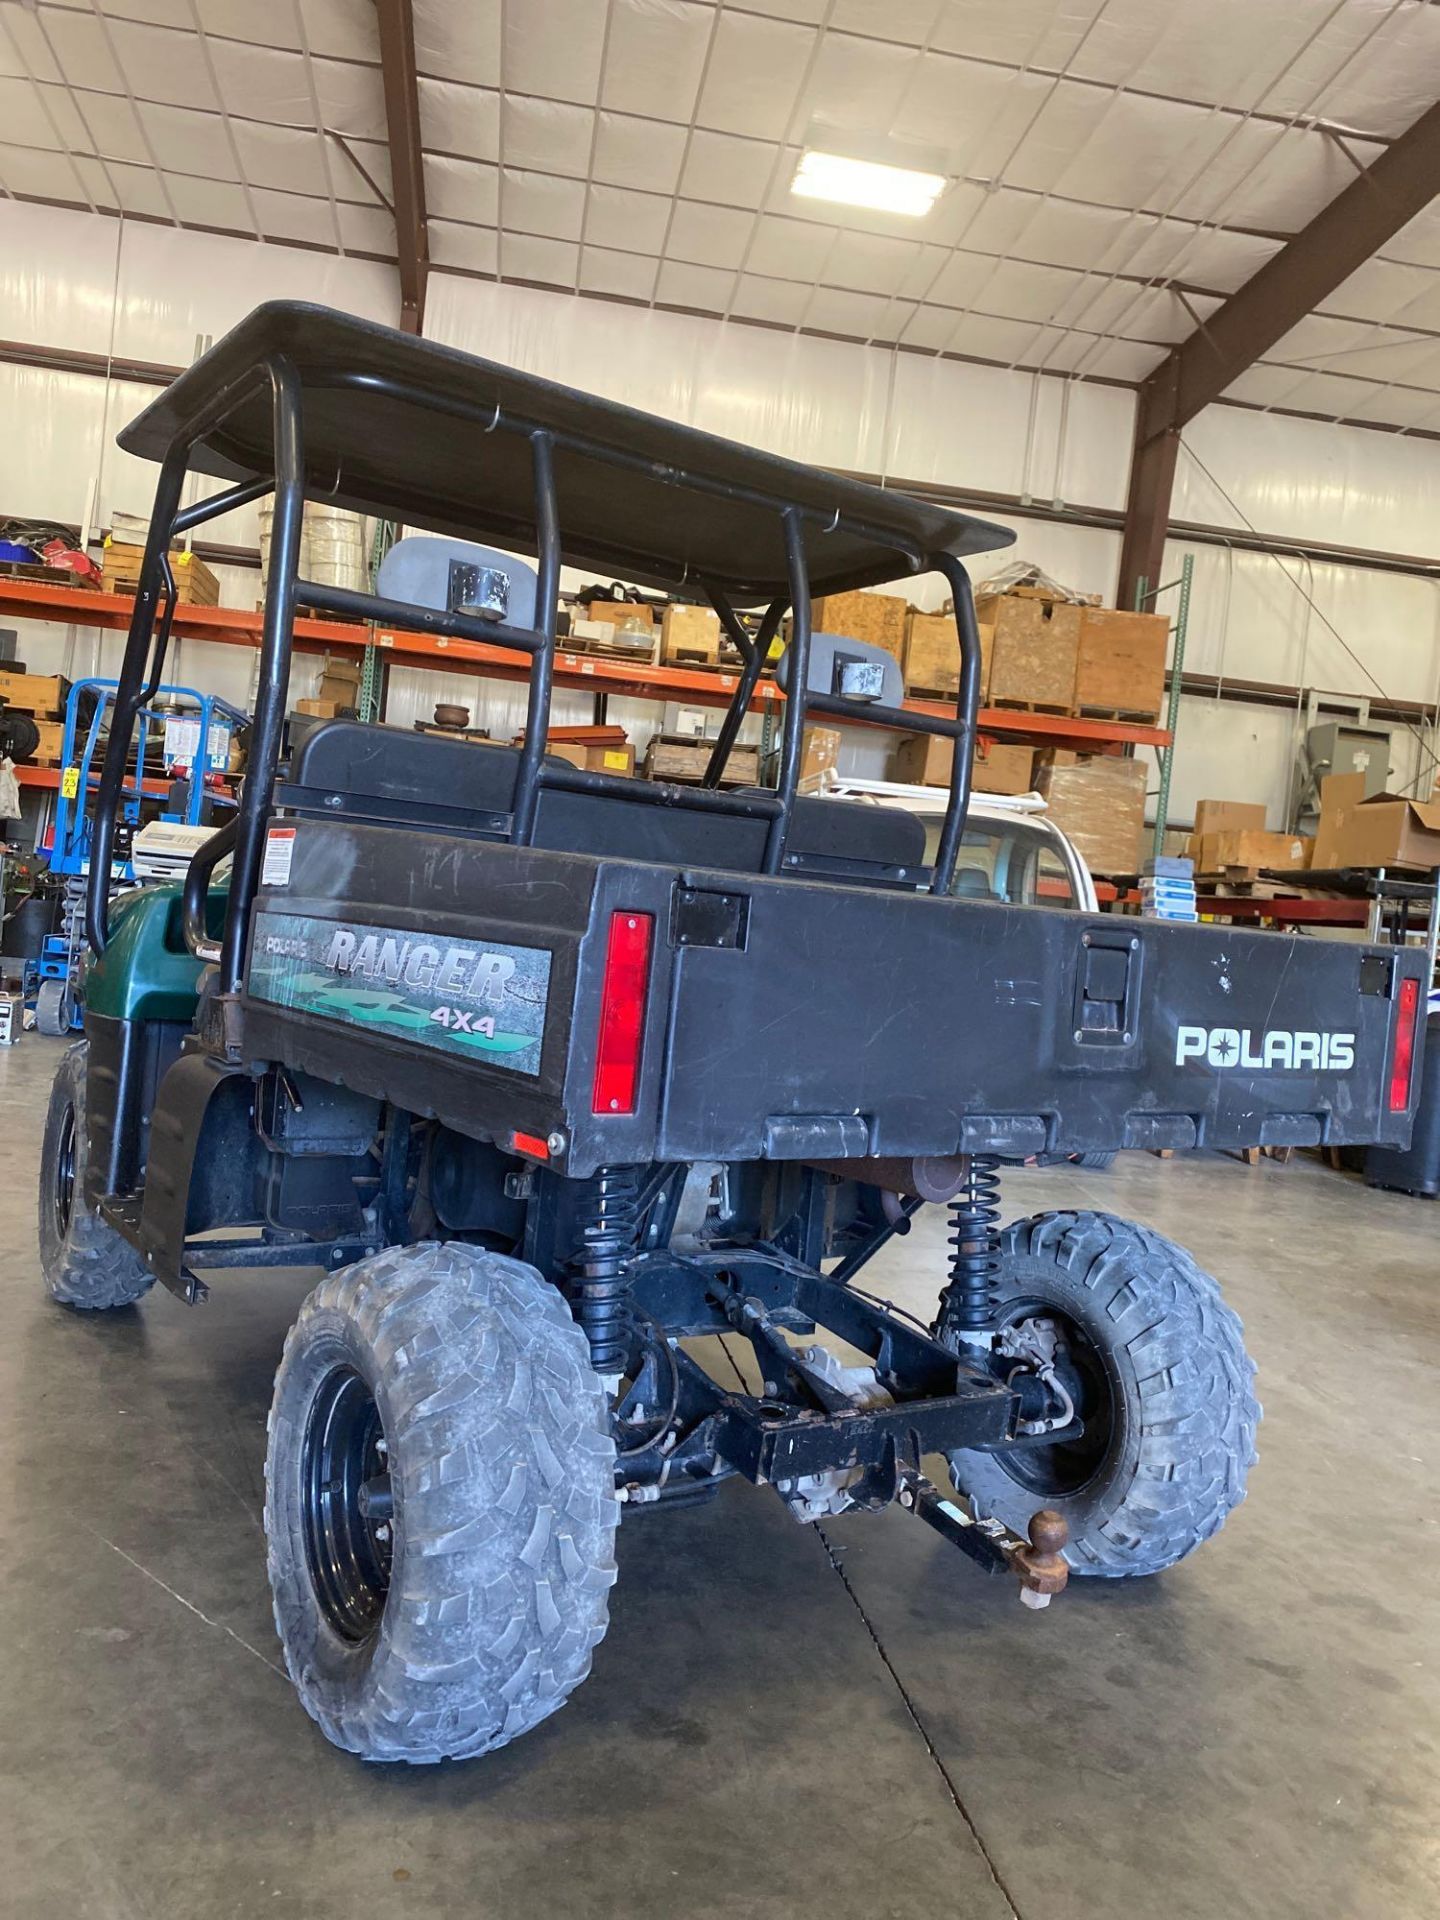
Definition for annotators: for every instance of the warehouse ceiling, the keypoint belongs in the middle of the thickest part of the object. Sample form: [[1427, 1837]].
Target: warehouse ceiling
[[1115, 169]]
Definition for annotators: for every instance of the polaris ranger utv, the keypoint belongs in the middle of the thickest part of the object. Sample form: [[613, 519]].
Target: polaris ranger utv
[[558, 1075]]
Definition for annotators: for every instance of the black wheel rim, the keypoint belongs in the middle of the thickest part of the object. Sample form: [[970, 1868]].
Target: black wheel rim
[[1060, 1471], [347, 1507], [63, 1196]]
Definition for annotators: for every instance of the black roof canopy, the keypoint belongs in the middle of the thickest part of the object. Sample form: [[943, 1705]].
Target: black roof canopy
[[428, 435]]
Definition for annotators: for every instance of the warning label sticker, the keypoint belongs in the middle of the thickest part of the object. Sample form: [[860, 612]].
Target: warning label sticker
[[279, 852]]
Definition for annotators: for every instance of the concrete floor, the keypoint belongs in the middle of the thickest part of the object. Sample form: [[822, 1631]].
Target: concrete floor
[[773, 1727]]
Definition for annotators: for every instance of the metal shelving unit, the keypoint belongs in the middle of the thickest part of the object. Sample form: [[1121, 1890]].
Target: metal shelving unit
[[577, 672]]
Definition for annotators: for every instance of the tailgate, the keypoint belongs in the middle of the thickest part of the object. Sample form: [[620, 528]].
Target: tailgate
[[859, 1022]]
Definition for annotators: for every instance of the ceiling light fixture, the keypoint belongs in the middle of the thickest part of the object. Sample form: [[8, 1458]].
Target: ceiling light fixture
[[823, 175]]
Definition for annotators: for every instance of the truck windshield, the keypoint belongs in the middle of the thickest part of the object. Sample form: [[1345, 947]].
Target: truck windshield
[[1016, 864]]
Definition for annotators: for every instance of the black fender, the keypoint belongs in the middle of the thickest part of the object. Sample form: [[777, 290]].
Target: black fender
[[201, 1162]]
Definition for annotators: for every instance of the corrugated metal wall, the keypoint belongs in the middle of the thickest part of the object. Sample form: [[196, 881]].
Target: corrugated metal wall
[[146, 293]]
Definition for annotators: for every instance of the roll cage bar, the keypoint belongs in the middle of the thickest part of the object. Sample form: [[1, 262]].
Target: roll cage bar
[[278, 374]]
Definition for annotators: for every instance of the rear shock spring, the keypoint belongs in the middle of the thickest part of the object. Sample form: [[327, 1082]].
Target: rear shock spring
[[600, 1270], [967, 1306]]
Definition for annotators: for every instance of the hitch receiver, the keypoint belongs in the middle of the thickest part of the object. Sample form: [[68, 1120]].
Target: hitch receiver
[[1038, 1563]]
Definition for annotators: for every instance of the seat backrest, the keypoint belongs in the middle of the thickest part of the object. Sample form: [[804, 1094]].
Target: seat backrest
[[423, 776], [973, 883]]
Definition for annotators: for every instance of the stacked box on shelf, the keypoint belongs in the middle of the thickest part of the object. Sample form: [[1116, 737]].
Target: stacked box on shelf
[[1034, 649], [620, 613], [1230, 837], [820, 755], [1248, 850], [1167, 888], [195, 584], [1098, 801], [926, 759], [932, 656], [690, 637], [42, 695], [601, 757], [876, 618], [1120, 664], [47, 751], [1388, 830], [685, 760], [614, 642]]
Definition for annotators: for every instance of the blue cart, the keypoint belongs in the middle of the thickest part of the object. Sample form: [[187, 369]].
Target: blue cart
[[197, 730]]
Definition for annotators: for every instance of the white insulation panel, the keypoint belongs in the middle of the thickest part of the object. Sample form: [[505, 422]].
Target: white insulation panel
[[867, 409]]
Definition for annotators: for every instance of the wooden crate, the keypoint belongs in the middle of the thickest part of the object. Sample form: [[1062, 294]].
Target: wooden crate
[[41, 694], [195, 584], [1033, 654], [685, 761], [876, 618], [1120, 664], [690, 637], [47, 752], [932, 656], [52, 735]]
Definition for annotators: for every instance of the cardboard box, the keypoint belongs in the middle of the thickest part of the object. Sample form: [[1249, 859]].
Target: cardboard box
[[686, 760], [932, 656], [41, 694], [1249, 847], [689, 635], [1098, 801], [1033, 654], [1387, 831], [820, 755], [876, 618], [320, 709], [594, 759], [619, 612], [1120, 663], [613, 759], [592, 630], [195, 584], [1227, 816], [1002, 767], [925, 760]]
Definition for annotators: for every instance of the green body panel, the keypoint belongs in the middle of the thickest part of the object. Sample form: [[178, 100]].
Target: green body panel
[[147, 972]]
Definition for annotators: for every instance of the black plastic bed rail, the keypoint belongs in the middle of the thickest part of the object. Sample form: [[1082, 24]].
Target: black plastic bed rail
[[155, 601]]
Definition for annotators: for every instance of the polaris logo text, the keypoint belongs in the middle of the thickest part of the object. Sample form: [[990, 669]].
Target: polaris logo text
[[1239, 1047]]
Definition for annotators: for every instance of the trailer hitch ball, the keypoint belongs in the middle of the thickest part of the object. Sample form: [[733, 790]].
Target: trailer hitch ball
[[1041, 1565]]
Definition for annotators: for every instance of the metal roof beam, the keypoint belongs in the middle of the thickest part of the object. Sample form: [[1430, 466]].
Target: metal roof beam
[[1355, 225], [407, 166]]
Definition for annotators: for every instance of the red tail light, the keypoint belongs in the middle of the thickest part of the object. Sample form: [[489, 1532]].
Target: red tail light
[[622, 1012], [1407, 1013]]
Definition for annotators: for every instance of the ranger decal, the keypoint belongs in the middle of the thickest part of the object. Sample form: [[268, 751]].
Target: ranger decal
[[484, 1001]]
